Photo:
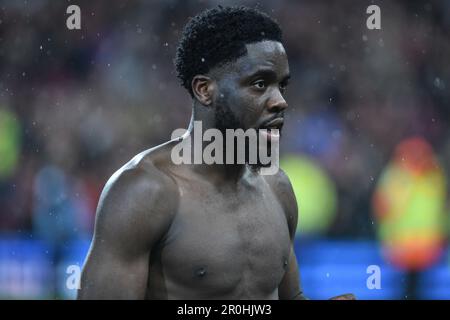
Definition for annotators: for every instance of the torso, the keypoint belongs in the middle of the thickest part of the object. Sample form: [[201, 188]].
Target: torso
[[221, 244]]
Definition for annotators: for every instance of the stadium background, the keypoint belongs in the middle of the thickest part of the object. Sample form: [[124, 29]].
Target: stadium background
[[366, 140]]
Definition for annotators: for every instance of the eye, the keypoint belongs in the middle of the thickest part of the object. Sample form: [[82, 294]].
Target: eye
[[283, 87], [259, 84]]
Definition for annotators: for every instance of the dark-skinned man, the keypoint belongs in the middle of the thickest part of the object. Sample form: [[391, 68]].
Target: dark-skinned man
[[205, 231]]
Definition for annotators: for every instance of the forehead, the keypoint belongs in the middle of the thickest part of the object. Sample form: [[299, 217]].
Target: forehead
[[263, 55]]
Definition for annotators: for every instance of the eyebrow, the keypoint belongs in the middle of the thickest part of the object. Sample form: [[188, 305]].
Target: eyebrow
[[269, 73]]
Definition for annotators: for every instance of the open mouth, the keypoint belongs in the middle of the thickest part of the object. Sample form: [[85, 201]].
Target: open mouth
[[276, 123], [271, 130]]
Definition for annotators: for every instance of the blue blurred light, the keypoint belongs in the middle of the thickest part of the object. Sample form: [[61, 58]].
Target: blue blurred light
[[331, 268]]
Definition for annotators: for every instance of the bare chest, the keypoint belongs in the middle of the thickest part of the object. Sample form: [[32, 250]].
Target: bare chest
[[221, 243]]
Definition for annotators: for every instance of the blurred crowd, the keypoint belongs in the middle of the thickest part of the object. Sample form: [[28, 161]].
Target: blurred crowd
[[77, 104]]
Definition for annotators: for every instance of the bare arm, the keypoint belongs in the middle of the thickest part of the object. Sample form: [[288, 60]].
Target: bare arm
[[132, 215], [290, 286]]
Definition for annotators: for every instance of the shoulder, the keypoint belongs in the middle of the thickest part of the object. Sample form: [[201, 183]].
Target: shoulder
[[282, 188], [141, 195], [142, 176], [279, 182]]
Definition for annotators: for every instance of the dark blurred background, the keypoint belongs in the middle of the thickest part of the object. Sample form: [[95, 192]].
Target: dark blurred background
[[366, 142]]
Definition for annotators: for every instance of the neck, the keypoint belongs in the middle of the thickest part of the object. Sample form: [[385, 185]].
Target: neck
[[217, 172]]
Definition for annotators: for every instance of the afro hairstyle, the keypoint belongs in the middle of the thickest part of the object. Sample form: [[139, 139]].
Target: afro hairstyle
[[219, 35]]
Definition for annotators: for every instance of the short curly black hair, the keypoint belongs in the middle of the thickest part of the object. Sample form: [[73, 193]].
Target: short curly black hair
[[219, 35]]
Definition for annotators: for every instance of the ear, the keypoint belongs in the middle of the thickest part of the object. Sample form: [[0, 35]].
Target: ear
[[203, 89]]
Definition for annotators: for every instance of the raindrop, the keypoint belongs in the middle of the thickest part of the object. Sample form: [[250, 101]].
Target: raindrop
[[438, 83], [201, 272]]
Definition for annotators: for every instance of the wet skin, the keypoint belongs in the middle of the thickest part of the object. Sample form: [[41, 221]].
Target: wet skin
[[166, 231]]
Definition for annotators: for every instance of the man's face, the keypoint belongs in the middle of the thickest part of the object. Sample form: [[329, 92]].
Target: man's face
[[250, 90]]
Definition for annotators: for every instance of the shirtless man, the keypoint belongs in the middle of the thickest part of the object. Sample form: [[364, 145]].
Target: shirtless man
[[198, 231]]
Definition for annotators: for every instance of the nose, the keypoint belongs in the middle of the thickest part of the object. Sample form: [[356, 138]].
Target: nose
[[276, 102]]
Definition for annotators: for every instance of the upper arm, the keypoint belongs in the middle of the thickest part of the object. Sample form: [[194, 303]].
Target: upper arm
[[290, 286], [132, 215]]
